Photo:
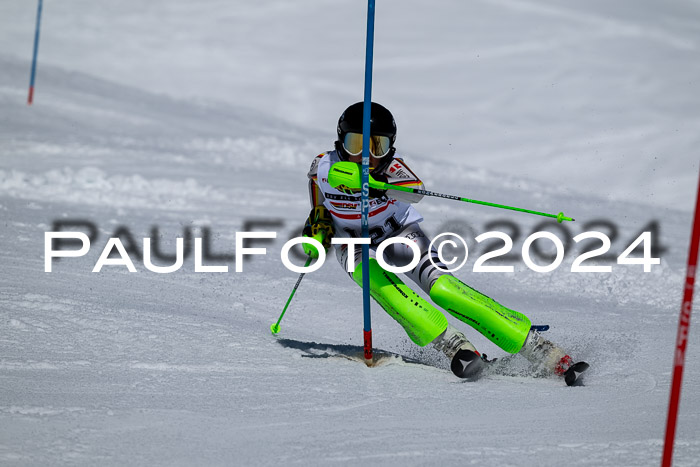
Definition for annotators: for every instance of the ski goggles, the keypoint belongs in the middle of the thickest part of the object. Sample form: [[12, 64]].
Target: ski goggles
[[379, 146]]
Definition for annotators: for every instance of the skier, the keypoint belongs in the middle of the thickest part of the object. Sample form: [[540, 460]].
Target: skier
[[336, 212]]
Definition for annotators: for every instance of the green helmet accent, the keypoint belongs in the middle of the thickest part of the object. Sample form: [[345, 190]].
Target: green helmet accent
[[504, 327], [421, 321]]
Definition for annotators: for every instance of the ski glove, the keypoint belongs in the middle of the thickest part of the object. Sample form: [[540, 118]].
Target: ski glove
[[374, 192], [319, 226]]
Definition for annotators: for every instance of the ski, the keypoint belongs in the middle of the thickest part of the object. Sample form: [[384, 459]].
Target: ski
[[466, 364], [348, 352]]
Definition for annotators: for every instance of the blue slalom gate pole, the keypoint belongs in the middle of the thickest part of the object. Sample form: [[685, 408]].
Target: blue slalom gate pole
[[36, 50], [367, 112]]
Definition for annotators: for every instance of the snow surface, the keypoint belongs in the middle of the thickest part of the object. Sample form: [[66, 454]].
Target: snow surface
[[185, 116]]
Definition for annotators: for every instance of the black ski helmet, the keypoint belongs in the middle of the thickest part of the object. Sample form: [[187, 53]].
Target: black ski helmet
[[381, 124]]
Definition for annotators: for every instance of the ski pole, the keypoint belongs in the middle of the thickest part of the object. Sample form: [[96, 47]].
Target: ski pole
[[386, 186], [275, 328], [347, 174]]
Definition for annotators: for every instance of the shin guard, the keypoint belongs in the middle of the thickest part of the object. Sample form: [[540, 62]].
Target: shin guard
[[504, 327], [422, 321]]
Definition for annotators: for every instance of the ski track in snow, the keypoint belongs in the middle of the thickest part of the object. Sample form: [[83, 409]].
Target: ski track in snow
[[117, 368]]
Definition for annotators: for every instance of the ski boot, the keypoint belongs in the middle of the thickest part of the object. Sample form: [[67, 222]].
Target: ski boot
[[552, 358], [572, 374], [466, 362]]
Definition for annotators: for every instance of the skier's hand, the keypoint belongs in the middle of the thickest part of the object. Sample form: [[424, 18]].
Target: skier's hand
[[310, 249], [319, 226], [374, 192]]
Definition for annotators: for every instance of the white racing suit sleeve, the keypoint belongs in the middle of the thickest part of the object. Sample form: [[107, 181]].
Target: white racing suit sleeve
[[398, 173], [316, 197]]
